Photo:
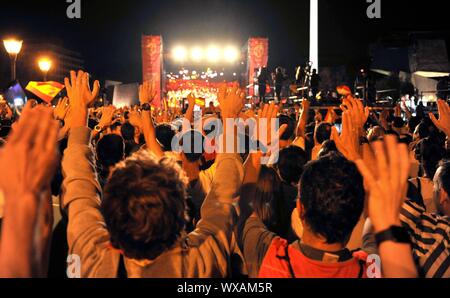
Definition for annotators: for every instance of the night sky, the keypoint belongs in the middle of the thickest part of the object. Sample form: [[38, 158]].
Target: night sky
[[108, 35]]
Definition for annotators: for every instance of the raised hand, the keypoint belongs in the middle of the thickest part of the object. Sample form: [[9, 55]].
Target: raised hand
[[80, 97], [358, 113], [387, 185], [348, 142], [443, 123], [231, 101], [107, 116], [147, 92], [79, 91], [61, 108], [264, 124], [29, 157], [27, 163], [135, 119], [191, 100]]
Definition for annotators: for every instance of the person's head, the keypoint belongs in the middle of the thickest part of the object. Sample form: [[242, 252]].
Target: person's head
[[165, 134], [110, 150], [278, 70], [191, 144], [322, 133], [398, 122], [328, 147], [128, 131], [268, 202], [422, 130], [412, 124], [429, 154], [116, 128], [442, 188], [144, 206], [331, 199], [289, 134], [290, 164], [376, 133], [314, 71]]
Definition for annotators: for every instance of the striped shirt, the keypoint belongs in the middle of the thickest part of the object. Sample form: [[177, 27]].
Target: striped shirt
[[430, 236]]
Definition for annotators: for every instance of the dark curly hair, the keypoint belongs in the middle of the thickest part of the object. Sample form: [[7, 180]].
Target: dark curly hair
[[290, 164], [322, 132], [144, 206], [332, 195]]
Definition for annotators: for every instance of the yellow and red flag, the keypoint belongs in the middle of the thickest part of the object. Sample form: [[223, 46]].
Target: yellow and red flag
[[45, 90]]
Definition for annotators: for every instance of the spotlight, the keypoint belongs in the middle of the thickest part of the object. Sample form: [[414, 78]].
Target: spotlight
[[179, 54], [197, 54], [213, 54], [231, 54]]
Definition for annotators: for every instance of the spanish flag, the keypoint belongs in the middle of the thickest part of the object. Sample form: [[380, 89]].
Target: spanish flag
[[45, 90]]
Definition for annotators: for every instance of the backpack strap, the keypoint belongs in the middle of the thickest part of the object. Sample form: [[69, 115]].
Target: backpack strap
[[361, 268], [287, 259], [122, 271]]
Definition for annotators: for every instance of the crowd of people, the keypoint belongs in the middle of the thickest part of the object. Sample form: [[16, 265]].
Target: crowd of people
[[370, 199]]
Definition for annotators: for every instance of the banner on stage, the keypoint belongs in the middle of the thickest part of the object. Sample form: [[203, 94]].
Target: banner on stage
[[258, 56], [152, 63]]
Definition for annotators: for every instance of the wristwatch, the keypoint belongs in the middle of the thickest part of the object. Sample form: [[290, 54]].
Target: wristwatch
[[395, 233], [98, 128], [146, 107]]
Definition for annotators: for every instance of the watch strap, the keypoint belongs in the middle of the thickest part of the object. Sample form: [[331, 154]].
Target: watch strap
[[395, 233]]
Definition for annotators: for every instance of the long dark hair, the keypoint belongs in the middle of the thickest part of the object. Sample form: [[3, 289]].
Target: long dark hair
[[268, 202]]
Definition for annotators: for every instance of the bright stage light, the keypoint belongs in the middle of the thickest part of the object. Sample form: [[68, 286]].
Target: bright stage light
[[213, 54], [179, 54], [231, 54], [197, 54]]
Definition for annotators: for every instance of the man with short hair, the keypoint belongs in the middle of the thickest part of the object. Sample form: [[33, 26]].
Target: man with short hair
[[331, 201], [136, 229]]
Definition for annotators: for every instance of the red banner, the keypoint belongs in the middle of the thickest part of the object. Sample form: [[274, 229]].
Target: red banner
[[258, 56], [152, 63]]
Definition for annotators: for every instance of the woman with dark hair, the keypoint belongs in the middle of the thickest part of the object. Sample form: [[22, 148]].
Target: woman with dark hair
[[268, 202]]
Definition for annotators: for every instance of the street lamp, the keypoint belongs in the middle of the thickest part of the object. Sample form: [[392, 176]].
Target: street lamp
[[45, 65], [13, 47]]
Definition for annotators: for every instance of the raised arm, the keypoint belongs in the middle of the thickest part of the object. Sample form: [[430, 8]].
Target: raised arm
[[218, 210], [146, 96], [27, 164], [301, 127], [86, 232], [444, 117], [189, 113], [387, 190]]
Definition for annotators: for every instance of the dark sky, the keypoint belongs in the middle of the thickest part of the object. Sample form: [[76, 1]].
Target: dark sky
[[109, 33]]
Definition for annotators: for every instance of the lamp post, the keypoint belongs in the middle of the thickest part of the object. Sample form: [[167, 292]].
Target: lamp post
[[45, 65], [13, 47]]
